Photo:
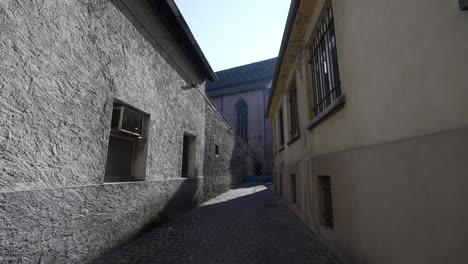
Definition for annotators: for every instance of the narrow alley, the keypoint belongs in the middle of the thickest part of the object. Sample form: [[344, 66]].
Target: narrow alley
[[245, 225]]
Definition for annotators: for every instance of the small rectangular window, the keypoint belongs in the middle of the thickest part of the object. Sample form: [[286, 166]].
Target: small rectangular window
[[188, 156], [216, 149], [324, 64], [325, 200], [463, 4], [281, 126], [293, 188]]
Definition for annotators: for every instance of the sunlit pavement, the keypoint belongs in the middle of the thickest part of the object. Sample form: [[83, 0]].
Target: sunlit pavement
[[246, 225]]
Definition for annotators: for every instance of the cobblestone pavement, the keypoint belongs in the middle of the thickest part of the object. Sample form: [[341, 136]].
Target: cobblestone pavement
[[246, 225]]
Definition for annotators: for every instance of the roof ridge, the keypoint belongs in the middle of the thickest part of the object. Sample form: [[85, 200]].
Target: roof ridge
[[240, 83], [240, 66]]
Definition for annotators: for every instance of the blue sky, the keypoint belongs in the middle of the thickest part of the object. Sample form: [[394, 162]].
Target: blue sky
[[236, 32]]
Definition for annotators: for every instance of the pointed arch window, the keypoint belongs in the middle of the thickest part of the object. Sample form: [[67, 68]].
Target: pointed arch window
[[242, 114]]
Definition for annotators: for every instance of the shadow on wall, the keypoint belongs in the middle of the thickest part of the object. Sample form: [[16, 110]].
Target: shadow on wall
[[228, 158], [188, 196]]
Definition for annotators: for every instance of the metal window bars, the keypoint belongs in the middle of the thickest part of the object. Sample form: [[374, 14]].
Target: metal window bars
[[327, 201], [281, 126], [293, 111], [324, 61]]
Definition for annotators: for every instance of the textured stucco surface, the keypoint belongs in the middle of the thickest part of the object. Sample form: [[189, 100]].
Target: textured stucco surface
[[63, 63], [73, 225], [235, 159]]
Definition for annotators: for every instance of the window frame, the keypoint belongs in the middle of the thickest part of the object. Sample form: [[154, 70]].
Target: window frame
[[281, 128], [293, 186], [293, 111], [325, 89], [136, 158], [326, 201]]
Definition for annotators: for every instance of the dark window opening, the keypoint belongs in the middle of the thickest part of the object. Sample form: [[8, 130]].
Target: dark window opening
[[258, 168], [326, 201], [128, 144], [188, 156], [293, 188], [281, 126], [293, 111], [463, 4], [242, 118], [216, 149], [281, 184], [324, 61]]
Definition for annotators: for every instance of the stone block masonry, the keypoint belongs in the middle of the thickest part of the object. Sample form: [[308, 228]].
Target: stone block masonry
[[63, 65]]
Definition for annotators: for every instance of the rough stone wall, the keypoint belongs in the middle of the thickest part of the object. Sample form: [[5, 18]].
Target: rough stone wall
[[76, 224], [63, 63], [235, 159]]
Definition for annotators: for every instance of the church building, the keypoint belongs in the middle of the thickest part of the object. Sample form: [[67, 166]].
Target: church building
[[241, 95]]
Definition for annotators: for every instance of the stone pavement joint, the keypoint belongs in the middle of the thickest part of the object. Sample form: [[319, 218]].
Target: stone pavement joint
[[245, 225]]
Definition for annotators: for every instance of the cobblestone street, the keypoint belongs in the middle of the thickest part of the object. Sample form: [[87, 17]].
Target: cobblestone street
[[246, 225]]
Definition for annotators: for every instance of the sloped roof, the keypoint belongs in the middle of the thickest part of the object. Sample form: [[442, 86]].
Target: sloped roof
[[179, 27], [246, 74]]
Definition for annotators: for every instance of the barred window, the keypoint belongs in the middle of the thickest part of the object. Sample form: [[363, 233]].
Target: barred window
[[293, 188], [293, 112], [324, 62], [326, 201], [281, 126]]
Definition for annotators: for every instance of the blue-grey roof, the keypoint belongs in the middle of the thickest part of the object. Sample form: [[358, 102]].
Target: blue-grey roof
[[243, 78]]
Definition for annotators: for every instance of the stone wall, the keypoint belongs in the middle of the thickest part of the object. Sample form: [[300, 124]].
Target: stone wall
[[63, 65], [234, 160], [76, 224]]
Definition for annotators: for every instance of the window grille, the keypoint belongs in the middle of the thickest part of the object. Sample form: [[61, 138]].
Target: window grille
[[281, 126], [281, 184], [293, 109], [324, 61], [327, 208], [293, 188]]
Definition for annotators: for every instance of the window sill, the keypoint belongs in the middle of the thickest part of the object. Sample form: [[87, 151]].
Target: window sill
[[294, 138], [331, 109]]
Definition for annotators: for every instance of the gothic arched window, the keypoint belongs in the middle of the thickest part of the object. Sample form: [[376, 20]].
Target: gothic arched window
[[242, 113]]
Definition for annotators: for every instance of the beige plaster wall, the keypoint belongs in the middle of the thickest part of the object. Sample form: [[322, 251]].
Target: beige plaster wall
[[401, 202], [403, 69], [396, 153]]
